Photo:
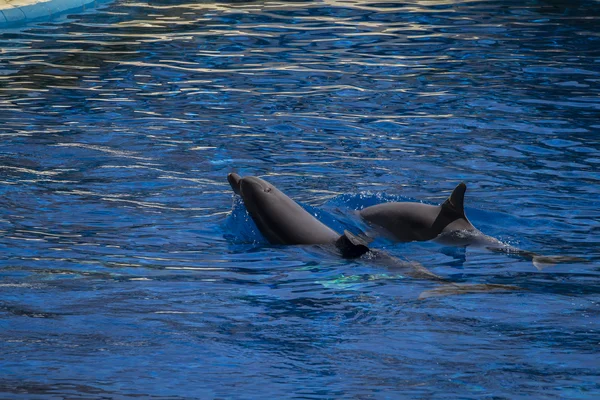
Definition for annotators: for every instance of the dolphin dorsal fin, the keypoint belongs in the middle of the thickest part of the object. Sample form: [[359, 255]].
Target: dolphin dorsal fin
[[456, 201]]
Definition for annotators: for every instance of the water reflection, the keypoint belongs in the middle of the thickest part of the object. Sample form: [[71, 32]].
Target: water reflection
[[120, 270]]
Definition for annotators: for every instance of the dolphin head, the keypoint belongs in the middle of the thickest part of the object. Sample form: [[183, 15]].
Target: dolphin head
[[278, 217], [251, 188], [257, 193]]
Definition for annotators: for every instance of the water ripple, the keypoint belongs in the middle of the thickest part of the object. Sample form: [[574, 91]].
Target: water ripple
[[126, 266]]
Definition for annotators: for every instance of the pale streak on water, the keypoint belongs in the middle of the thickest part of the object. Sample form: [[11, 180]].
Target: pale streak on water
[[123, 272]]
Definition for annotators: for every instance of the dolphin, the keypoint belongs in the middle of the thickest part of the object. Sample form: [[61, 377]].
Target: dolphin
[[445, 223], [408, 222], [283, 221]]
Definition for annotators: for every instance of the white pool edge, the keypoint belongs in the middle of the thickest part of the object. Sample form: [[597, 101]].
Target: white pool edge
[[19, 12]]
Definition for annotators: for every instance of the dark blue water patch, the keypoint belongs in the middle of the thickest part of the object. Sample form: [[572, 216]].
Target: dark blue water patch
[[239, 226]]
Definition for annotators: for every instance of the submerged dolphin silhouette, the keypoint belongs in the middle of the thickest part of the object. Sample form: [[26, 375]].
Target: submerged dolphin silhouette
[[283, 221], [446, 223]]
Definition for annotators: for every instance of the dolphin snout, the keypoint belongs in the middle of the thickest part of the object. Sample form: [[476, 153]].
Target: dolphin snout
[[252, 185], [235, 181]]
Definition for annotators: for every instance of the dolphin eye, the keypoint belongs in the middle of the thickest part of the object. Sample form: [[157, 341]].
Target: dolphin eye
[[267, 190]]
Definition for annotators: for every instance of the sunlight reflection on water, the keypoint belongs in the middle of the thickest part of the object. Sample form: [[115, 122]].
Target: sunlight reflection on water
[[127, 270]]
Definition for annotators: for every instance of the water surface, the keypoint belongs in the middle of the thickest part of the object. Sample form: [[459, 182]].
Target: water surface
[[128, 270]]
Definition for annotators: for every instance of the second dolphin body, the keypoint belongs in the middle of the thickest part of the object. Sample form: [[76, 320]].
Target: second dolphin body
[[445, 223]]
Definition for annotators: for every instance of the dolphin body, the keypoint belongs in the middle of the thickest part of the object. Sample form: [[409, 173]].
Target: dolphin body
[[283, 221], [445, 223], [408, 222]]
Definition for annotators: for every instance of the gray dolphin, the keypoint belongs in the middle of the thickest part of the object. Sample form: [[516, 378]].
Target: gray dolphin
[[407, 222], [446, 223], [283, 221]]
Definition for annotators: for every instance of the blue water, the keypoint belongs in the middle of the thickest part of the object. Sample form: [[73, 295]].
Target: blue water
[[128, 269]]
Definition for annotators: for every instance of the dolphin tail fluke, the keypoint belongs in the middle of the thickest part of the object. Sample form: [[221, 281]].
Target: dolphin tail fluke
[[351, 246], [539, 261], [234, 180], [543, 262], [456, 288], [456, 201]]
